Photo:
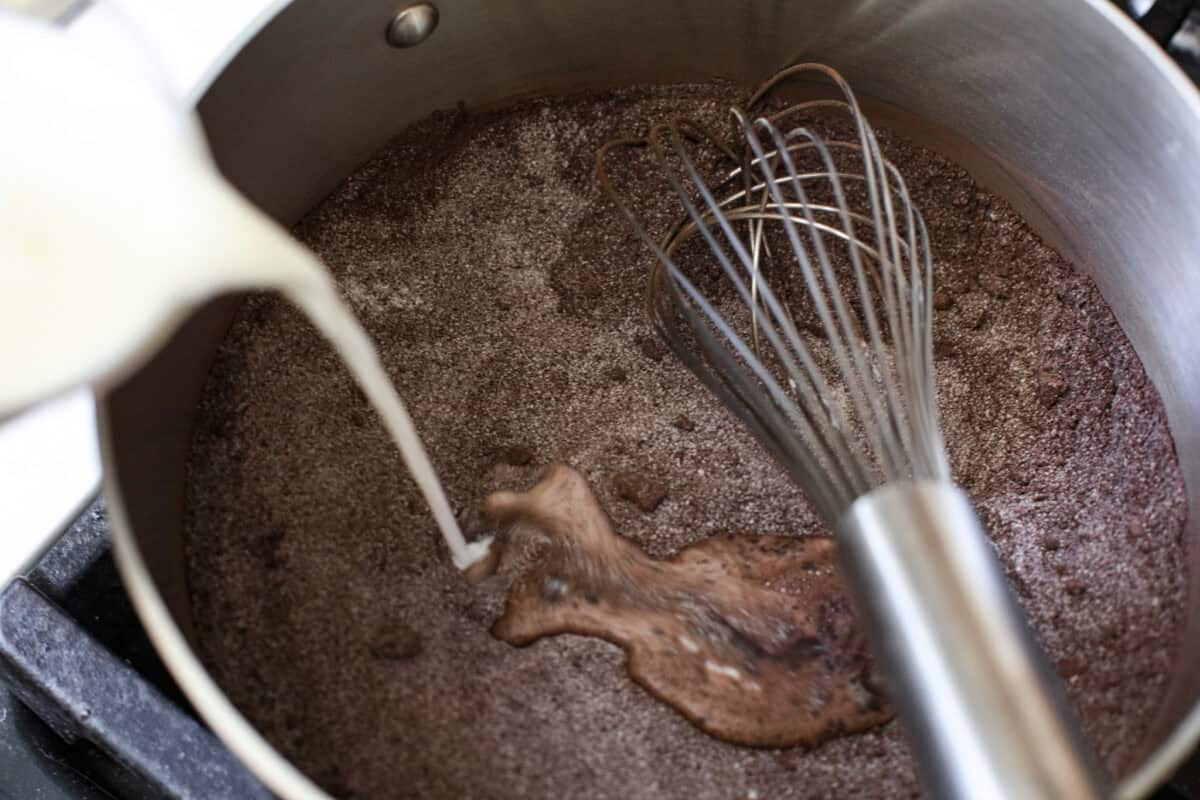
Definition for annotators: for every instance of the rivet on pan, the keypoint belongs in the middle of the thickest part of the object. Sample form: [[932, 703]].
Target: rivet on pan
[[412, 25]]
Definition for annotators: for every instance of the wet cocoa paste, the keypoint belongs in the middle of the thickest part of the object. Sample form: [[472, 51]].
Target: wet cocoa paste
[[752, 638]]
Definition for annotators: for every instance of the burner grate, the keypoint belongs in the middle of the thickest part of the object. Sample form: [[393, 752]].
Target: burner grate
[[98, 716]]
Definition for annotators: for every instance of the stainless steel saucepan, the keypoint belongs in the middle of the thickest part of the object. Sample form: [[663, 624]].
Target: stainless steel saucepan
[[1064, 107]]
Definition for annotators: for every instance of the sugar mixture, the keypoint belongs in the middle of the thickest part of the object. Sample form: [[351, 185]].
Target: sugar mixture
[[505, 297]]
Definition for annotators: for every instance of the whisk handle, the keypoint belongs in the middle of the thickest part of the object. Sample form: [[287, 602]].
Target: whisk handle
[[984, 713]]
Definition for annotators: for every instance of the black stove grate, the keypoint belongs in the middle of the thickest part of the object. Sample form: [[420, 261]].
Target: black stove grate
[[90, 712]]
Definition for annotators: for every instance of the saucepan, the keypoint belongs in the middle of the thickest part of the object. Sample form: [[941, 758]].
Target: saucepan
[[1065, 108]]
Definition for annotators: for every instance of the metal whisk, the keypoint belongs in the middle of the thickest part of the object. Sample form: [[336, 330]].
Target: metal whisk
[[797, 285]]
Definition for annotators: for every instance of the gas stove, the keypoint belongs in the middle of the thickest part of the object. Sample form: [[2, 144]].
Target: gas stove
[[88, 711]]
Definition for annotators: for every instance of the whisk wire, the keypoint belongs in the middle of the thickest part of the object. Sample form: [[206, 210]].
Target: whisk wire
[[842, 334], [859, 410], [832, 490], [717, 369], [813, 428], [896, 444], [927, 448]]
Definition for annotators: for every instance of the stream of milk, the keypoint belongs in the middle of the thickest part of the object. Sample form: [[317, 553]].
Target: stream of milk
[[116, 225], [337, 323]]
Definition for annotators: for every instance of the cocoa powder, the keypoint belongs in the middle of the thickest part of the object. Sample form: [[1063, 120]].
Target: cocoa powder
[[504, 294]]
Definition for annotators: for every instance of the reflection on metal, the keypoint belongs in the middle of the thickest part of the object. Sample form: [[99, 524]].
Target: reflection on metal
[[1185, 45], [412, 25]]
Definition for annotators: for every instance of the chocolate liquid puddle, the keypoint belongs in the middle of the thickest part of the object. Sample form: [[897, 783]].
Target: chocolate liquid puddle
[[750, 637], [505, 299]]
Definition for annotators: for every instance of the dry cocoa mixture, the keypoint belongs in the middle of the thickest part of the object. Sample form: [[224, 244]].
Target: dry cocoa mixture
[[505, 297]]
